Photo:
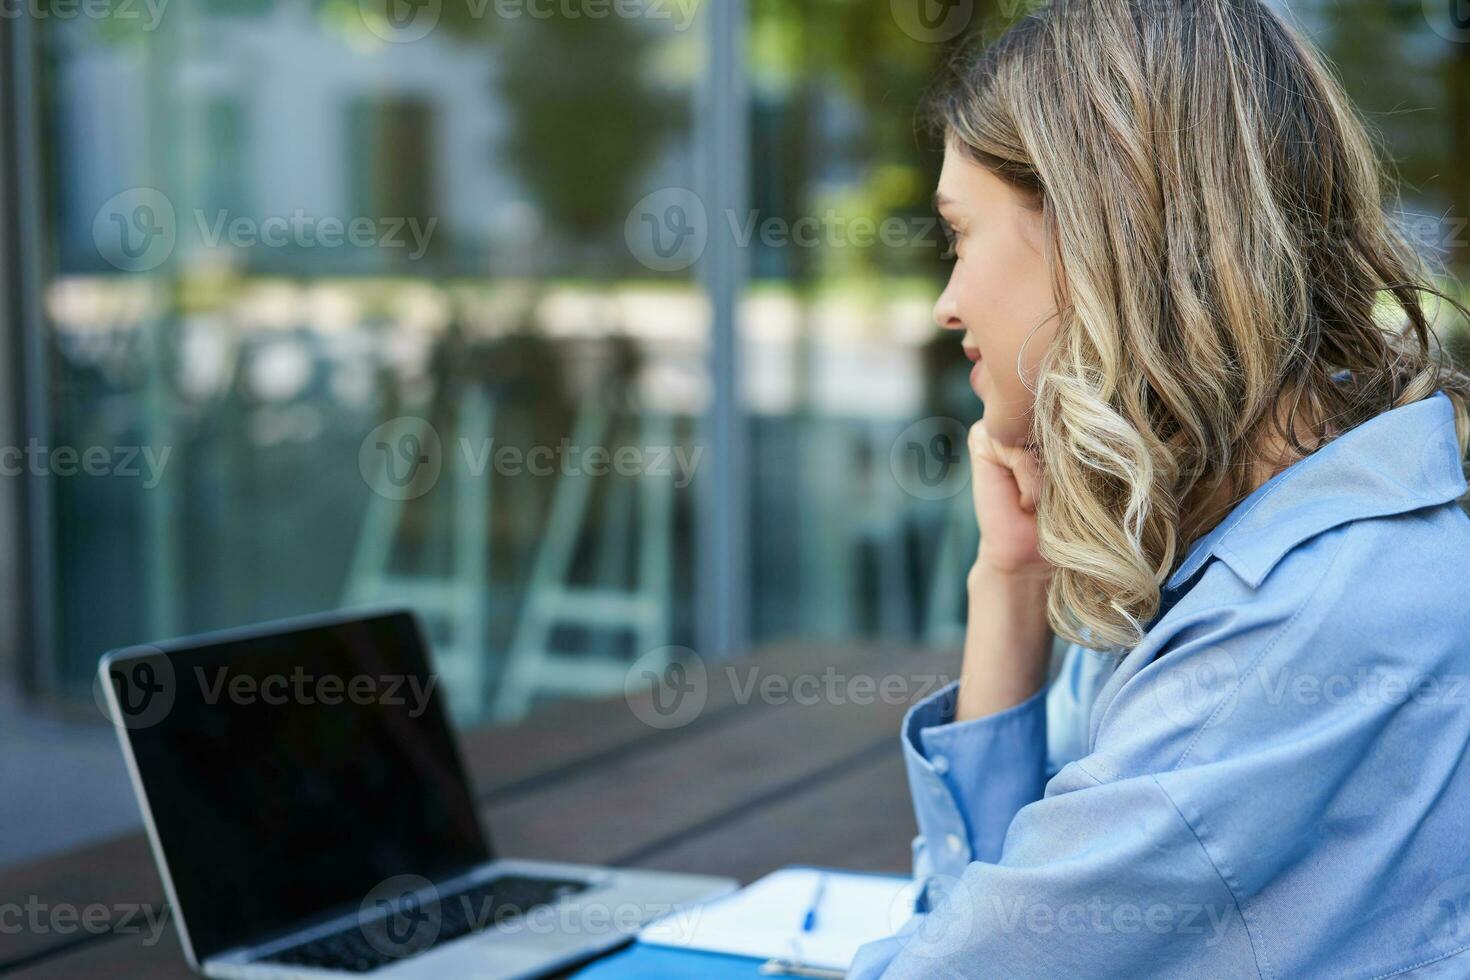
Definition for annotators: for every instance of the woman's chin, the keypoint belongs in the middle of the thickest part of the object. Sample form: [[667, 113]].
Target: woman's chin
[[1002, 428]]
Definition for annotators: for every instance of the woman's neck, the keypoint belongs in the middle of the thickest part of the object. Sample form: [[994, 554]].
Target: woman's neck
[[1207, 506]]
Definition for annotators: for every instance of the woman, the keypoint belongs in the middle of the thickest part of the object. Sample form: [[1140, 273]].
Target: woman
[[1206, 365]]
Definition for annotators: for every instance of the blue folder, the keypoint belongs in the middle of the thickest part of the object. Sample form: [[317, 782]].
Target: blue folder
[[642, 961]]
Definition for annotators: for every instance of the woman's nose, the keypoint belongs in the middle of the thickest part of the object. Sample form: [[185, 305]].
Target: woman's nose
[[946, 315]]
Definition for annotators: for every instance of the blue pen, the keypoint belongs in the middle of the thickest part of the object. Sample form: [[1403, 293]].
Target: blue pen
[[809, 923]]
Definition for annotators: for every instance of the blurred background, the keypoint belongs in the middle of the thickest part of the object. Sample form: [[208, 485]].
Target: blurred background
[[594, 330]]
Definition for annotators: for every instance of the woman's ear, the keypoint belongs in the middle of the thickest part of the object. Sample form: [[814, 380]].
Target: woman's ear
[[1035, 219], [1051, 247]]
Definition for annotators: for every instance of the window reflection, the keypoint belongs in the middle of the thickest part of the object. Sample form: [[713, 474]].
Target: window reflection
[[367, 295], [300, 248]]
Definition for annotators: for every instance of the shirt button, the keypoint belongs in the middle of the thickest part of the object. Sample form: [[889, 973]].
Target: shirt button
[[954, 843], [940, 764]]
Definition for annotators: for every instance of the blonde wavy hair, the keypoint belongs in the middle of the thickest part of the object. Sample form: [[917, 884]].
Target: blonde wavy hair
[[1221, 243]]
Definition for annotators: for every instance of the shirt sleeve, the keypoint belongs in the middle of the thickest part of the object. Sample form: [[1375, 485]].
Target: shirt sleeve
[[1093, 877], [1030, 866], [969, 779]]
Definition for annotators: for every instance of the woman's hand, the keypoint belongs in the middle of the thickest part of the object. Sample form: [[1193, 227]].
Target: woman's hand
[[1005, 482], [1008, 637]]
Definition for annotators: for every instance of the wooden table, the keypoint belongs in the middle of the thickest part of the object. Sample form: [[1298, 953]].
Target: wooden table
[[794, 760]]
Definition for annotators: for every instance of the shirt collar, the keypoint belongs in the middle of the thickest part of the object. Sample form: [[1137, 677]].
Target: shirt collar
[[1402, 460]]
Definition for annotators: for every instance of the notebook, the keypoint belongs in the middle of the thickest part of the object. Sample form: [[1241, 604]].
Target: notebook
[[765, 920]]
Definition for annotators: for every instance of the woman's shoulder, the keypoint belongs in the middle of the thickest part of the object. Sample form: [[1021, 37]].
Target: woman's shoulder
[[1401, 471], [1368, 535], [1344, 573], [1373, 599]]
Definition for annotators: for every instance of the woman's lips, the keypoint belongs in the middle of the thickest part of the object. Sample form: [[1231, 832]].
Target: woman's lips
[[974, 355]]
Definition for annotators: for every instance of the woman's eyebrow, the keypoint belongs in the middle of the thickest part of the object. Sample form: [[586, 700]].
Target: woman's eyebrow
[[948, 210]]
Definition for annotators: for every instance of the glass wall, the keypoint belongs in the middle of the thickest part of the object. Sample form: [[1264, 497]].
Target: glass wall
[[359, 301], [857, 408], [342, 305]]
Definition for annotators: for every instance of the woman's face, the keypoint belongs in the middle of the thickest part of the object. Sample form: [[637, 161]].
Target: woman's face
[[1000, 290]]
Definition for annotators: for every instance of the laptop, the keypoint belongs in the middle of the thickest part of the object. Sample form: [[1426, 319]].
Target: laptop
[[310, 815]]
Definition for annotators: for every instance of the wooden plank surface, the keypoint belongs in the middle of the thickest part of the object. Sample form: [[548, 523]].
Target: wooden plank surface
[[552, 744], [766, 775]]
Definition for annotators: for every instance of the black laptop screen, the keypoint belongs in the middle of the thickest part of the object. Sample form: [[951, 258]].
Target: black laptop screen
[[289, 774]]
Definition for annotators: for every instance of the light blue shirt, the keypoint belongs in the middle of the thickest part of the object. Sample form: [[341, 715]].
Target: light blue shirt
[[1274, 783]]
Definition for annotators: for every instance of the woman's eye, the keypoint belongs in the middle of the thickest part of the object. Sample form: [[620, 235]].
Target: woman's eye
[[951, 241]]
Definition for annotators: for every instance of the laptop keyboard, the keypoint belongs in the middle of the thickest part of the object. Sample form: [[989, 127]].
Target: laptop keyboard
[[411, 930]]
